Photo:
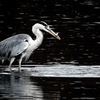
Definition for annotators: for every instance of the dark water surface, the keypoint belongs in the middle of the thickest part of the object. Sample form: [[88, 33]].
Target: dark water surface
[[78, 24], [19, 87], [49, 82]]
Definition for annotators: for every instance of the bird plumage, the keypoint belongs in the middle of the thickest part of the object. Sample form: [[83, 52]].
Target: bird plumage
[[13, 46], [21, 46]]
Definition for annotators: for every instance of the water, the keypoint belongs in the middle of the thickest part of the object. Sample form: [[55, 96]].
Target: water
[[70, 67], [51, 82]]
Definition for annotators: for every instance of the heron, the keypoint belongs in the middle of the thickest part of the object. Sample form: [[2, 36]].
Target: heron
[[20, 47]]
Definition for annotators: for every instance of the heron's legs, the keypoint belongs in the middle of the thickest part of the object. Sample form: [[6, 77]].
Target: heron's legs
[[20, 61], [19, 68], [11, 61]]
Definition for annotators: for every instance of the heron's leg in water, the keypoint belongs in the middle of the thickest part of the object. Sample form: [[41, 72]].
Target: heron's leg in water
[[20, 61], [11, 61]]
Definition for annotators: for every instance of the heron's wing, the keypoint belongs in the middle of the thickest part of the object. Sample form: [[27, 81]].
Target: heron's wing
[[19, 48], [12, 47]]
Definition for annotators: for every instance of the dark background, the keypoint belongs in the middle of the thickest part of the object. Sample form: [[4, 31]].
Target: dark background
[[77, 21]]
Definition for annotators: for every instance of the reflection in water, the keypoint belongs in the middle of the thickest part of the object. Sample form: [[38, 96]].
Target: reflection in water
[[15, 87], [20, 87]]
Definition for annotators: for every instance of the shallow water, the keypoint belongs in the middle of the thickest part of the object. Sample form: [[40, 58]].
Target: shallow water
[[55, 70], [51, 82]]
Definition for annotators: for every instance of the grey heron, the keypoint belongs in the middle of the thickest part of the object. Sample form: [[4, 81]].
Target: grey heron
[[21, 46]]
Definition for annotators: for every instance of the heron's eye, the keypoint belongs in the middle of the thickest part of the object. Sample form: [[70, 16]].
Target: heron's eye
[[26, 40]]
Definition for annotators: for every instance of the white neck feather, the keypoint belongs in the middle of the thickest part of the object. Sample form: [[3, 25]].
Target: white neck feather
[[38, 34]]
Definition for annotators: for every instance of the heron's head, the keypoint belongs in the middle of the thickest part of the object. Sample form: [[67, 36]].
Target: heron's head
[[45, 27]]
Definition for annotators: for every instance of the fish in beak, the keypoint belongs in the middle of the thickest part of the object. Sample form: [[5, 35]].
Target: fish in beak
[[53, 33]]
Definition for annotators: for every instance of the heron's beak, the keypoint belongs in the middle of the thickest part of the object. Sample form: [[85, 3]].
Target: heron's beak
[[54, 34]]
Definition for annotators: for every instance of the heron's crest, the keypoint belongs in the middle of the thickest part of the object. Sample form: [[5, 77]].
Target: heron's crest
[[43, 23]]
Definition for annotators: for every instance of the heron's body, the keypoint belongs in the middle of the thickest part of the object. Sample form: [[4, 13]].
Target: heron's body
[[21, 46], [17, 45]]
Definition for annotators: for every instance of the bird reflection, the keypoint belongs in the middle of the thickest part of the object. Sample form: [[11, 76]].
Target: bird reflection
[[16, 87]]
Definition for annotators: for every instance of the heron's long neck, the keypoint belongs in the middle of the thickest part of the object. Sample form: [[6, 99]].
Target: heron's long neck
[[39, 36]]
